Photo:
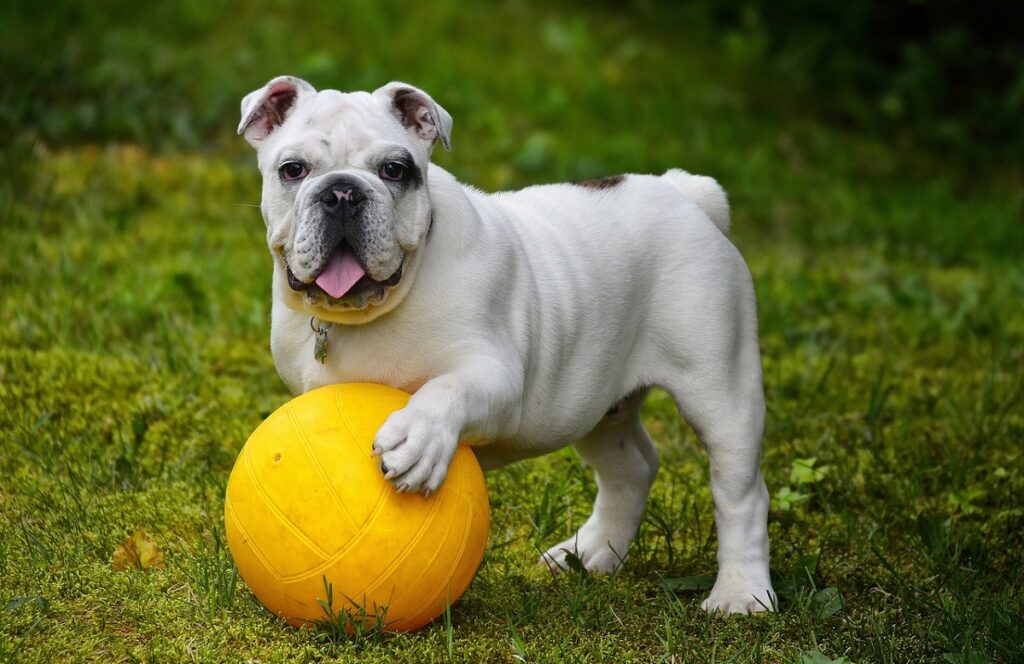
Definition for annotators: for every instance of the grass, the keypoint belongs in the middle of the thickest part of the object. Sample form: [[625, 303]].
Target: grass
[[134, 360]]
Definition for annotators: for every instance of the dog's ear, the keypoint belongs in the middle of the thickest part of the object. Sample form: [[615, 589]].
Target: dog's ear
[[266, 109], [418, 112]]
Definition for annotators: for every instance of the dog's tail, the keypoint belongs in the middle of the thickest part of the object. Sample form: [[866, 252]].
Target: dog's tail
[[705, 192]]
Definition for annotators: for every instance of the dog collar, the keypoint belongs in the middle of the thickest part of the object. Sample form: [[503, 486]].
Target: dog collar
[[320, 333]]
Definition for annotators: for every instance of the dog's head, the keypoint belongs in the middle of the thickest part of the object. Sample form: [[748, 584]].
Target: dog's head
[[345, 194]]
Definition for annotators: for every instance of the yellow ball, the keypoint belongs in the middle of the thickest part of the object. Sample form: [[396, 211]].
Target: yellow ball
[[306, 502]]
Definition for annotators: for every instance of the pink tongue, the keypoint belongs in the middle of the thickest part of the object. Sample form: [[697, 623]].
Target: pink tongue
[[341, 274]]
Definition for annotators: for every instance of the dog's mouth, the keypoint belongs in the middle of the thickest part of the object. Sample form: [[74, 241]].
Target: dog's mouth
[[343, 279]]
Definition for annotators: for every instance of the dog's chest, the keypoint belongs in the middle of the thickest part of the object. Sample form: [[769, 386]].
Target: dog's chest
[[399, 358], [396, 357]]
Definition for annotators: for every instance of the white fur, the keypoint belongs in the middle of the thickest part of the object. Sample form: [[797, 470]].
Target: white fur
[[705, 192], [528, 315]]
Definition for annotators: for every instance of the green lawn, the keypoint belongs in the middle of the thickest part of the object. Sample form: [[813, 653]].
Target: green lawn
[[134, 328]]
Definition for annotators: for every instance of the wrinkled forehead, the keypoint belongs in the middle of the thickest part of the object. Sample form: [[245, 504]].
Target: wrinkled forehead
[[339, 121]]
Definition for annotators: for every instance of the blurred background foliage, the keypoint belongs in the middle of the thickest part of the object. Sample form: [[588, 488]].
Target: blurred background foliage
[[949, 71], [945, 73]]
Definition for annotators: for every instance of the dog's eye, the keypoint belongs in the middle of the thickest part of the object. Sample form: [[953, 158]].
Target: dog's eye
[[393, 170], [293, 170]]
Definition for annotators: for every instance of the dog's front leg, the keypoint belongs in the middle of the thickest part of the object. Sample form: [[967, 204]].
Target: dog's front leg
[[416, 444]]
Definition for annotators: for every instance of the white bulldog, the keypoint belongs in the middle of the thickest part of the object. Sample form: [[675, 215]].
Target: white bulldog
[[522, 321]]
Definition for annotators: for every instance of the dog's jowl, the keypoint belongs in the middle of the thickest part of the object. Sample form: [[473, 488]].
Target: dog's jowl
[[522, 321]]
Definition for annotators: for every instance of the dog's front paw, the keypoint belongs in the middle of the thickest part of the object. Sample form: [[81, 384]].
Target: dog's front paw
[[414, 450], [735, 591]]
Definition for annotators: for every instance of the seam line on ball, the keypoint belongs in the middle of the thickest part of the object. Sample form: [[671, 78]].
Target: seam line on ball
[[372, 586], [338, 555], [295, 530], [308, 449], [252, 546], [354, 435], [467, 526]]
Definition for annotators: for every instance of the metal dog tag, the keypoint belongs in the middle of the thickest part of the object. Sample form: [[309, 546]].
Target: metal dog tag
[[320, 346]]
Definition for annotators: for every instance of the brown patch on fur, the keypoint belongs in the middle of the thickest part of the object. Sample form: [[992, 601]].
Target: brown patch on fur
[[606, 182]]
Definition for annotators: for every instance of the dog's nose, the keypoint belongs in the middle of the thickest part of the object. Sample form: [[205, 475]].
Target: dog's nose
[[339, 198]]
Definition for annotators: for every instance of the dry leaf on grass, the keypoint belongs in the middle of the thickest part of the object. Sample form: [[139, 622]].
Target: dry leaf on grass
[[138, 551]]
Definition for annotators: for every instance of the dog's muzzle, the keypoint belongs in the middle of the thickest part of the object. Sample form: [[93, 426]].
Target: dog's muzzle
[[297, 285]]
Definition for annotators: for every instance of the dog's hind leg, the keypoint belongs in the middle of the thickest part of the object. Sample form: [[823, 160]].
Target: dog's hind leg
[[625, 463], [721, 395]]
